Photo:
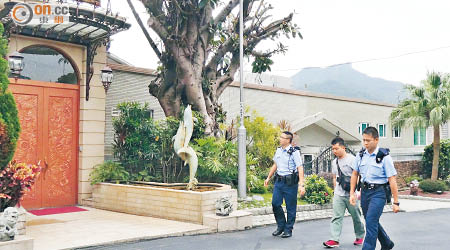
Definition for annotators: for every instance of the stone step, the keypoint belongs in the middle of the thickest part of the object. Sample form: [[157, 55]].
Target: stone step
[[88, 202], [237, 220]]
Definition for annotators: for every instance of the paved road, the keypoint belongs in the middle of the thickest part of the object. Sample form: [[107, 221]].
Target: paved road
[[421, 230]]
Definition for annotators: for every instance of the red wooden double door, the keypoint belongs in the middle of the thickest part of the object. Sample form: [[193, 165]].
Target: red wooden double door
[[48, 114]]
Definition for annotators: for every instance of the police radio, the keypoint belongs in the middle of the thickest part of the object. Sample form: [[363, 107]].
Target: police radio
[[293, 149]]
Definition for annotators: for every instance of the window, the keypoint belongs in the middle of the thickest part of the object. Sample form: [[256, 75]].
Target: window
[[47, 65], [362, 126], [150, 113], [396, 132], [420, 136], [382, 130], [307, 163], [115, 112]]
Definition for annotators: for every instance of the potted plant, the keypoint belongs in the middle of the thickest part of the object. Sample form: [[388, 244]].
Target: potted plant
[[15, 179]]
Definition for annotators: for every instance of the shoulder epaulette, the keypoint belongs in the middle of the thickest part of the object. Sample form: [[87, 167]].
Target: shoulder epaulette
[[293, 149], [382, 152], [361, 152]]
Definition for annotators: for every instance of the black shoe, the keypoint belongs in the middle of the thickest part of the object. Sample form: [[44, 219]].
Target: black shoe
[[286, 235], [277, 232], [389, 247]]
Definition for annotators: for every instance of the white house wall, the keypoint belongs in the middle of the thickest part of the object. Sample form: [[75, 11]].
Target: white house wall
[[131, 84], [278, 104], [128, 87]]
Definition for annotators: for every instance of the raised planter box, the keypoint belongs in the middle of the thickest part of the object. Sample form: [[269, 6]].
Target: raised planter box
[[161, 200]]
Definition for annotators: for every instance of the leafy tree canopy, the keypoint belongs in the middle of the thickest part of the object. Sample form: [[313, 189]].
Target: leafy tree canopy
[[197, 43]]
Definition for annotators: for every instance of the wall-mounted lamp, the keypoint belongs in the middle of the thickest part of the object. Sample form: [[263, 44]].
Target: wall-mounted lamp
[[16, 64], [107, 77]]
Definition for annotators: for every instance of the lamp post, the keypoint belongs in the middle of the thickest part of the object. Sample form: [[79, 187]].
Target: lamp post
[[107, 77], [242, 176], [16, 64]]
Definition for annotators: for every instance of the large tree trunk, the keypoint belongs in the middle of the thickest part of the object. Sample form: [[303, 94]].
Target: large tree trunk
[[195, 68], [436, 150]]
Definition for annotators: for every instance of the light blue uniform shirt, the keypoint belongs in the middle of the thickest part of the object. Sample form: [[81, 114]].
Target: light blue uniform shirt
[[371, 171], [287, 163]]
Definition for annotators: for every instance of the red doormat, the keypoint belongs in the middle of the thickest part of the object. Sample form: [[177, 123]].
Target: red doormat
[[56, 210]]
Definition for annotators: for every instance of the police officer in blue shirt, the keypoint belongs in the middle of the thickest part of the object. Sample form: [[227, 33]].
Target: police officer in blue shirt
[[289, 172], [377, 175]]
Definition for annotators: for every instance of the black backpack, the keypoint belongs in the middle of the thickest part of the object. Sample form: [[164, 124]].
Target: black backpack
[[343, 180]]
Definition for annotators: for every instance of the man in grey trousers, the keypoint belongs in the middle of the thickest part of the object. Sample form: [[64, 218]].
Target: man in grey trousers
[[341, 166]]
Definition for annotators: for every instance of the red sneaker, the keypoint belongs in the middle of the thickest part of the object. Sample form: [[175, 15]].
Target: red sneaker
[[358, 242], [331, 244]]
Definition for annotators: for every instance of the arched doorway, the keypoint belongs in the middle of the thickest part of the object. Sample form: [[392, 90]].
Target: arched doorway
[[47, 98]]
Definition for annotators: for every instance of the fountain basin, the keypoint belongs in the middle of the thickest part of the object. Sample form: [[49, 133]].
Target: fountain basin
[[163, 200]]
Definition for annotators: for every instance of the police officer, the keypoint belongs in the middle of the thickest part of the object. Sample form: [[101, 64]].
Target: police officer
[[289, 171], [377, 175]]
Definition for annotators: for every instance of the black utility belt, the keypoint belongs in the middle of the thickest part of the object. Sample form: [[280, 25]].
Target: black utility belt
[[373, 185], [289, 179]]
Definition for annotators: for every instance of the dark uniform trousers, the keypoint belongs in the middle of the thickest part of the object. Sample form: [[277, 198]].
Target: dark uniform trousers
[[372, 204], [287, 192]]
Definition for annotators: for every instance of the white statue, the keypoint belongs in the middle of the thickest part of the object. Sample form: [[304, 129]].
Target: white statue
[[8, 221], [224, 206], [182, 148]]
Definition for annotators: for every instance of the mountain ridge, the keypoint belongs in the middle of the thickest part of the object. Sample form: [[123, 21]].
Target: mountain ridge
[[345, 81]]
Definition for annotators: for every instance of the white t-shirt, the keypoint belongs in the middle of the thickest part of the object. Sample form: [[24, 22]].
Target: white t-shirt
[[346, 168]]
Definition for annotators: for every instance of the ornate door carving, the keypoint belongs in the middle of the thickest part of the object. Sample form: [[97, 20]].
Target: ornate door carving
[[30, 103], [59, 183], [49, 120]]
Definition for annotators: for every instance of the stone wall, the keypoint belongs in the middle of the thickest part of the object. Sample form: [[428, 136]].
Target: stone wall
[[405, 169]]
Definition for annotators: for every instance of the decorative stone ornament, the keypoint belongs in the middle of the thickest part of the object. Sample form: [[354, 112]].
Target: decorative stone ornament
[[224, 206], [8, 221], [414, 187]]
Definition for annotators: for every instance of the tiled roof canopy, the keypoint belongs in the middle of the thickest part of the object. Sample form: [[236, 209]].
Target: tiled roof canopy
[[85, 25], [90, 27]]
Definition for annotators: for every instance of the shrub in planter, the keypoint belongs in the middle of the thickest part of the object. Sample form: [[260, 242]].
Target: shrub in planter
[[15, 180], [108, 171], [136, 141], [217, 160], [432, 186], [317, 190]]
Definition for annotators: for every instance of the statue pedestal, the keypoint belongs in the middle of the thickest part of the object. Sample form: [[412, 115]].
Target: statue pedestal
[[237, 220], [20, 243]]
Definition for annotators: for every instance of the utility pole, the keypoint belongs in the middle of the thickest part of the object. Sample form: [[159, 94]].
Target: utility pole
[[242, 177]]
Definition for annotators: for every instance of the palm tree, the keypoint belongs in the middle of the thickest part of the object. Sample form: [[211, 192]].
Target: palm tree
[[428, 105]]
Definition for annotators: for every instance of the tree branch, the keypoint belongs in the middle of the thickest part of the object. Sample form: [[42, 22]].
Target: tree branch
[[270, 30], [154, 23], [147, 35], [224, 48], [257, 11], [154, 6], [225, 11], [227, 79]]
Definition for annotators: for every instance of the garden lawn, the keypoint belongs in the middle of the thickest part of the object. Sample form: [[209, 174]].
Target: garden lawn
[[267, 202]]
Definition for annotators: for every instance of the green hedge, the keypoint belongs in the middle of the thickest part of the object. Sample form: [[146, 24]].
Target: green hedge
[[444, 160], [432, 186], [9, 120]]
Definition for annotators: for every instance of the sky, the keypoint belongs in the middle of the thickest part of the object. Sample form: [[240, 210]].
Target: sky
[[397, 40]]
